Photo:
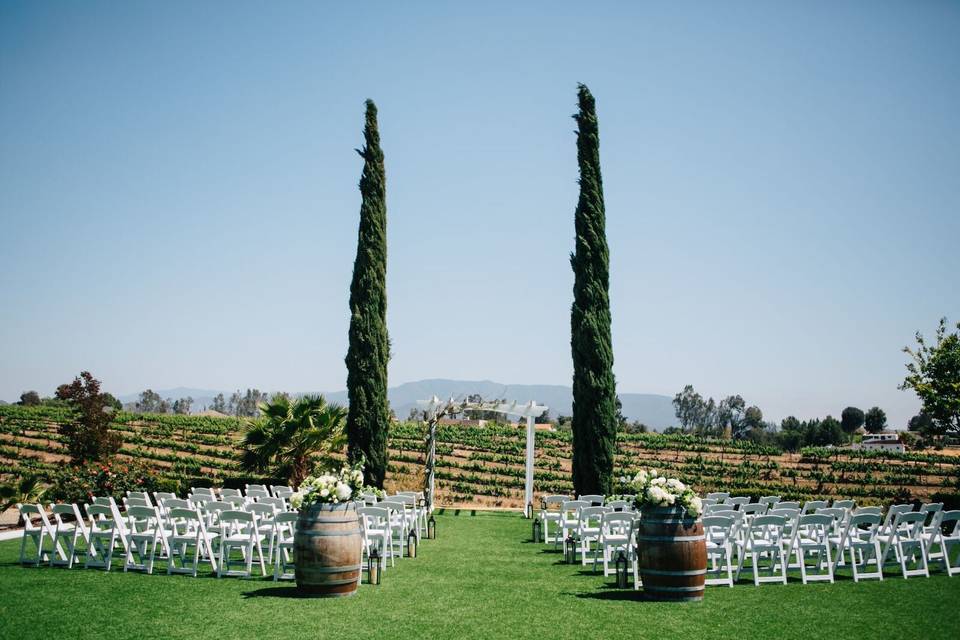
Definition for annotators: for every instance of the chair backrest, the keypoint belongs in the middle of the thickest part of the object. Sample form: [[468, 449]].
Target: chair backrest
[[176, 503], [374, 517], [767, 528], [816, 526], [230, 493], [100, 518], [931, 509], [718, 495], [185, 521], [619, 505], [871, 510], [160, 496], [811, 506], [592, 516], [143, 519], [737, 501], [836, 513], [142, 495], [951, 518], [910, 524], [261, 510], [844, 504], [281, 491], [236, 502], [788, 505], [277, 503], [769, 500], [594, 499], [616, 522], [892, 514], [257, 487], [789, 514], [862, 528], [717, 529], [236, 517], [69, 510], [202, 491], [573, 506], [755, 508], [135, 502]]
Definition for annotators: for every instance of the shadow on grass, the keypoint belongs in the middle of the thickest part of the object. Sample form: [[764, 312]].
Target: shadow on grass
[[611, 593], [290, 592]]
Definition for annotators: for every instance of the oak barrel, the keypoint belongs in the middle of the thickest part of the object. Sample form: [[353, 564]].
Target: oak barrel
[[672, 554], [326, 549]]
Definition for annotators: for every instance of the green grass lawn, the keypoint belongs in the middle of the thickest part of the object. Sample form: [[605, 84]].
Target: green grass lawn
[[480, 579]]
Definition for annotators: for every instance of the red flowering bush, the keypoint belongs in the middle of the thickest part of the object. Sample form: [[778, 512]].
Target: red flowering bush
[[80, 483]]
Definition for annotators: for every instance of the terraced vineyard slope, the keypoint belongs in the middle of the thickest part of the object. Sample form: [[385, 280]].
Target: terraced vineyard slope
[[483, 467]]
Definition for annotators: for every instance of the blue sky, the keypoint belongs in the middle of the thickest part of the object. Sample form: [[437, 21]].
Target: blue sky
[[179, 204]]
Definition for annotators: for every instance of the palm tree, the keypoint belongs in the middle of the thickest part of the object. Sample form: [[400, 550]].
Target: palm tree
[[28, 489], [291, 434]]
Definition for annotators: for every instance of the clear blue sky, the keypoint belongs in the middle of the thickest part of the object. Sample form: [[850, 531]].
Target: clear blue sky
[[179, 204]]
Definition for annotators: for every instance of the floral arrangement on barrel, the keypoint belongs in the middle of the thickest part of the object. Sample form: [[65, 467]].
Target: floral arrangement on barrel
[[330, 487], [655, 490]]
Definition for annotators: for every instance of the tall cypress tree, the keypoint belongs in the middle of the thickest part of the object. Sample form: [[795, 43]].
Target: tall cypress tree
[[368, 419], [594, 388]]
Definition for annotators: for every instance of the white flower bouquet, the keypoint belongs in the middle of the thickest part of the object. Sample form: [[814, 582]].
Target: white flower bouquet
[[655, 490], [329, 487]]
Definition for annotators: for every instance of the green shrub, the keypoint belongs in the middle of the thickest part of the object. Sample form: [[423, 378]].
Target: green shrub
[[81, 483]]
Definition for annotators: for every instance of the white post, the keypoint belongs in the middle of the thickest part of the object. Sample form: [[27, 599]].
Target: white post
[[433, 462], [531, 437]]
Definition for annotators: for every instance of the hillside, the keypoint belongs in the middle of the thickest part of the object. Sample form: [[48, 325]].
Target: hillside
[[653, 410], [484, 467]]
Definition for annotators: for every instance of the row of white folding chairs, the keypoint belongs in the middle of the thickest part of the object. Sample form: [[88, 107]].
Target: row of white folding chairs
[[142, 528], [769, 537], [561, 511]]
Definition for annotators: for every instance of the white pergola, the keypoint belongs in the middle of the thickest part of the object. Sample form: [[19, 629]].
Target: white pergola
[[436, 407]]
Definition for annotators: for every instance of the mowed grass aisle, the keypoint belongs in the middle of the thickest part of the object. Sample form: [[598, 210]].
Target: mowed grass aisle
[[481, 579]]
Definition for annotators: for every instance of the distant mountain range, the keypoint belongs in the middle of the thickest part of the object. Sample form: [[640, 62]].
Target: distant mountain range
[[655, 411]]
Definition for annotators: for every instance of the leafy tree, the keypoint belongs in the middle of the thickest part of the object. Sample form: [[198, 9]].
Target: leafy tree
[[219, 403], [688, 407], [88, 434], [730, 414], [851, 419], [829, 432], [875, 420], [246, 404], [29, 399], [151, 402], [752, 421], [934, 375], [922, 424], [182, 406], [368, 421], [291, 434], [594, 386], [791, 436]]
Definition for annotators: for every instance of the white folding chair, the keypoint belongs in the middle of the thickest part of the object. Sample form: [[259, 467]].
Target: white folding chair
[[906, 541], [615, 528], [102, 536], [263, 515], [595, 500], [812, 536], [859, 540], [720, 538], [188, 530], [764, 539], [144, 531], [945, 535], [70, 532], [570, 519], [588, 530], [398, 526], [239, 531], [38, 533], [550, 513], [286, 524], [375, 523]]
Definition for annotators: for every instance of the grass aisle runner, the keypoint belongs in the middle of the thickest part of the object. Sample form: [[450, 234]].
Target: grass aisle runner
[[481, 578]]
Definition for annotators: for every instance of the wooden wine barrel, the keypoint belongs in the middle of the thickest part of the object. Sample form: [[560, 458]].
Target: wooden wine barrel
[[672, 553], [326, 550]]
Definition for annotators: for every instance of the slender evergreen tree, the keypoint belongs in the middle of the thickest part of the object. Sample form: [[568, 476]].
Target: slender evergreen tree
[[368, 420], [594, 387]]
